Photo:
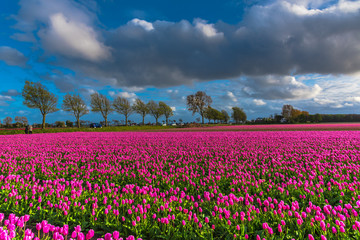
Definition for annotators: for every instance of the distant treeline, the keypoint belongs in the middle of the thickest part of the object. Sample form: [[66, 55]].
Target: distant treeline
[[290, 114], [37, 96], [340, 117]]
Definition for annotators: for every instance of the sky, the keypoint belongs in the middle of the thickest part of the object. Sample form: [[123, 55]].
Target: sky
[[253, 54]]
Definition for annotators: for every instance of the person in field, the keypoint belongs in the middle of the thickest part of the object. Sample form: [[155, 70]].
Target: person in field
[[30, 129], [26, 129]]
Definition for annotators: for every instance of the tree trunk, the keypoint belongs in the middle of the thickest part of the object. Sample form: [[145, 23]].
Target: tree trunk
[[156, 121], [43, 122], [143, 120], [106, 123], [202, 119], [126, 123], [167, 121], [78, 122]]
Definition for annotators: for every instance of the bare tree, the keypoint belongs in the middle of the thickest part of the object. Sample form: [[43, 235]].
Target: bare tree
[[7, 121], [37, 96], [123, 106], [141, 108], [75, 104], [24, 121], [154, 110], [100, 103], [167, 111], [21, 121], [198, 102], [286, 111], [18, 119]]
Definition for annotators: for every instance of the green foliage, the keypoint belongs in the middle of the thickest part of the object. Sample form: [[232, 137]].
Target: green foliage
[[75, 104], [100, 103], [213, 114], [238, 115], [141, 108], [60, 124], [155, 110], [69, 123], [226, 116], [37, 96], [122, 106], [167, 111]]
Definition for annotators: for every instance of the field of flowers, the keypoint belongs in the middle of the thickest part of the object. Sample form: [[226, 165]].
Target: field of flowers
[[273, 127], [180, 185]]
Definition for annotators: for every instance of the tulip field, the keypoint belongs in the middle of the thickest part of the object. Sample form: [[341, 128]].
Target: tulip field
[[181, 185], [272, 127]]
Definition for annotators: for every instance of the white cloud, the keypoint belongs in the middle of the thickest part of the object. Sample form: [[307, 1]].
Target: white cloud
[[279, 87], [171, 91], [142, 23], [173, 108], [353, 99], [21, 112], [337, 105], [309, 8], [338, 92], [259, 102], [324, 101], [299, 9], [231, 96], [345, 6], [5, 99], [128, 95], [73, 39], [134, 89], [111, 93], [207, 30], [276, 38]]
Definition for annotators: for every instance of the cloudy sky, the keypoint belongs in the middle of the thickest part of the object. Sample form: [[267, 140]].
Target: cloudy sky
[[257, 55]]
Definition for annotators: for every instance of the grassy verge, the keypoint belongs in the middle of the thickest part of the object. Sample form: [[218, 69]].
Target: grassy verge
[[84, 129]]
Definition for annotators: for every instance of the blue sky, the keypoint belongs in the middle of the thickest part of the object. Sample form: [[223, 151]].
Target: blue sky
[[257, 55]]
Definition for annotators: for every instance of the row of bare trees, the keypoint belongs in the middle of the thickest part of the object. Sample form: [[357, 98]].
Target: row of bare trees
[[17, 122], [38, 97], [100, 103]]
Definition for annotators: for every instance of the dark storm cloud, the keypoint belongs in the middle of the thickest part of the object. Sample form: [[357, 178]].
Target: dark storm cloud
[[279, 39]]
